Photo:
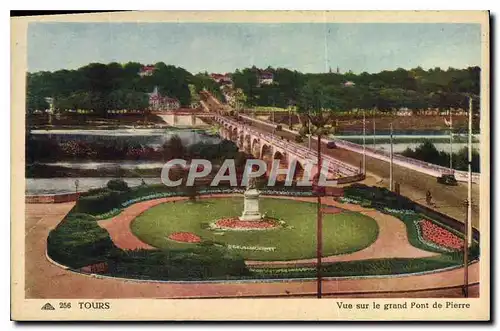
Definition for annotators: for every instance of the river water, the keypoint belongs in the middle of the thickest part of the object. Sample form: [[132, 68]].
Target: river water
[[38, 186], [149, 137], [156, 137], [402, 141]]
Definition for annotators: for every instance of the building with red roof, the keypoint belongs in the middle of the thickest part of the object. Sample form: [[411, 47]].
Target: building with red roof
[[222, 78], [147, 70], [157, 102], [265, 77]]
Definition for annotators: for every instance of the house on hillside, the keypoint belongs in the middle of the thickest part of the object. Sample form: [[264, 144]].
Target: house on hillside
[[265, 78], [224, 79], [146, 70], [404, 112], [157, 102]]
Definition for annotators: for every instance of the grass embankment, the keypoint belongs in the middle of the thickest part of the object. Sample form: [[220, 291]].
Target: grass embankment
[[79, 241], [343, 233]]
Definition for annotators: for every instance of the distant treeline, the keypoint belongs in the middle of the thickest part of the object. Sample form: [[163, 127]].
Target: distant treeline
[[427, 152], [49, 149], [101, 87], [386, 90]]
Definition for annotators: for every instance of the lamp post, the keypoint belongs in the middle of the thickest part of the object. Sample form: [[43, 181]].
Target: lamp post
[[466, 254], [451, 142], [374, 142], [309, 130], [390, 165], [469, 193], [364, 143], [319, 225], [272, 113]]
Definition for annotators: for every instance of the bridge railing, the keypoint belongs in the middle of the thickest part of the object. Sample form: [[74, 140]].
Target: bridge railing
[[417, 165], [310, 153], [304, 152], [421, 166]]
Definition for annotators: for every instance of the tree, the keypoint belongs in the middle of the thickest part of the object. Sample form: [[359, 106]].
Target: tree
[[113, 85], [173, 148], [318, 106]]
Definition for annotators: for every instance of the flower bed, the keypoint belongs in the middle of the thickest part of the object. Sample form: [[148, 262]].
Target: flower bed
[[234, 223], [185, 237], [399, 211], [436, 234], [349, 200]]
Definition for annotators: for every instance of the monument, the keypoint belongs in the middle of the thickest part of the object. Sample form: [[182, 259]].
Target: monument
[[251, 204]]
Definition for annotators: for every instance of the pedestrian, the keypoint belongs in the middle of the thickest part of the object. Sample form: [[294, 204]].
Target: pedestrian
[[428, 197]]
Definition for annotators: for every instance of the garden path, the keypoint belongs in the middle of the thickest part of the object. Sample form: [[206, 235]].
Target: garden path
[[46, 280], [392, 241]]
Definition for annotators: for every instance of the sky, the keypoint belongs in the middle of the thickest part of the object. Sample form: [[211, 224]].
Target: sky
[[224, 47]]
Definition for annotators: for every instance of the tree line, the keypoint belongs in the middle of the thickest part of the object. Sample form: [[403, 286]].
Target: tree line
[[387, 90], [428, 152], [44, 149], [101, 87]]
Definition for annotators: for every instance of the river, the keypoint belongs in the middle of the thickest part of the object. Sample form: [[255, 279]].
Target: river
[[156, 137], [403, 141], [149, 137], [38, 186]]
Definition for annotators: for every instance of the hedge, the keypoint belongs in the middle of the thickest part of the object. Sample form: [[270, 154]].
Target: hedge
[[372, 267], [202, 262], [104, 203], [79, 241]]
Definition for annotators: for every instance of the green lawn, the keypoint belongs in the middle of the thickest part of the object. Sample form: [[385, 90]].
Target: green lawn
[[343, 233]]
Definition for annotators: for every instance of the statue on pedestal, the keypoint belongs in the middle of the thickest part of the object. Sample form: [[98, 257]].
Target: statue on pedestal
[[251, 205]]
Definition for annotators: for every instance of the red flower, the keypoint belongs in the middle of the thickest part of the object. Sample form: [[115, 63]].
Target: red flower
[[235, 223], [439, 235], [187, 237]]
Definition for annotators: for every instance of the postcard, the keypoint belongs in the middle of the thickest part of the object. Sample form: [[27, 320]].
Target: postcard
[[293, 165]]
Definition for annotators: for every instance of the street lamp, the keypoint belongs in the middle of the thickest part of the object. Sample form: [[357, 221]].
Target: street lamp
[[319, 223], [364, 143], [468, 204], [390, 165], [374, 142]]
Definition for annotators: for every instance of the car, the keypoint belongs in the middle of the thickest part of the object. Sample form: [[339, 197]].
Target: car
[[448, 179], [331, 145]]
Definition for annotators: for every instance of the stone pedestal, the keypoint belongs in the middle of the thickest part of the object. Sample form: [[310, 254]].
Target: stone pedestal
[[251, 206]]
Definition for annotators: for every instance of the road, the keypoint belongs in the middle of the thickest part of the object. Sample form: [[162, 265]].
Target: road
[[46, 280], [413, 184]]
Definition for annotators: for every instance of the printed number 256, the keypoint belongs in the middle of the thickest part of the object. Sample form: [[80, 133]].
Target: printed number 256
[[64, 305]]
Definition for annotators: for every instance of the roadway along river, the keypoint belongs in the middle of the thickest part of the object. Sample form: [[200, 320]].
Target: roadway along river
[[38, 186]]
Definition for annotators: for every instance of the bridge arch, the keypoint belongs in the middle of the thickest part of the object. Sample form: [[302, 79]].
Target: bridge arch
[[266, 153], [234, 134], [283, 164], [256, 148], [247, 144], [298, 174], [239, 142]]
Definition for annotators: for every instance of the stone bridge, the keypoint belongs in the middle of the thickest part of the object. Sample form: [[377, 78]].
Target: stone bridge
[[183, 118], [269, 147]]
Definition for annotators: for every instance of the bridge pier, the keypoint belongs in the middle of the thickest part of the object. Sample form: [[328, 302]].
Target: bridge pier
[[268, 147]]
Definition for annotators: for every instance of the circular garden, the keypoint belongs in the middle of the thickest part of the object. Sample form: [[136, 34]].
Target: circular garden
[[288, 230], [205, 240]]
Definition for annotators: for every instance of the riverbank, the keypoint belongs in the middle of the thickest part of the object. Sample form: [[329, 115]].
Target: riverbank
[[88, 169]]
